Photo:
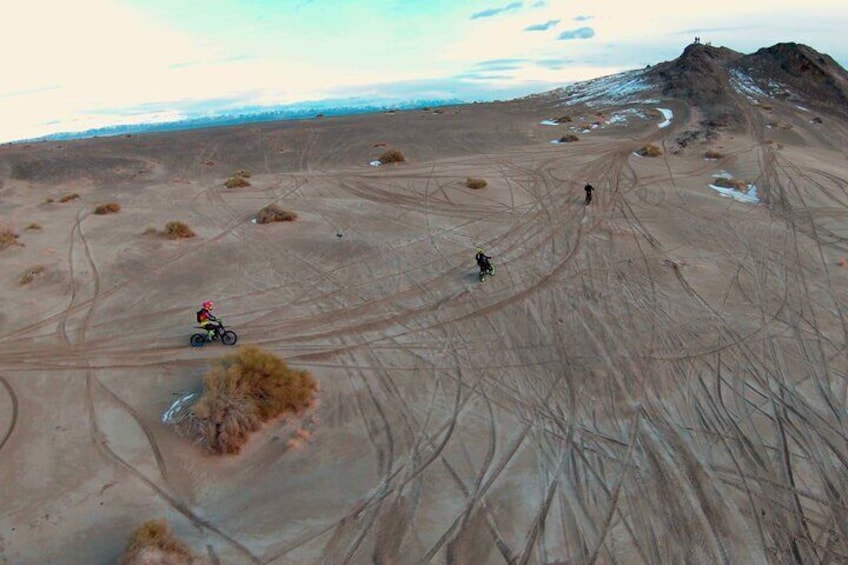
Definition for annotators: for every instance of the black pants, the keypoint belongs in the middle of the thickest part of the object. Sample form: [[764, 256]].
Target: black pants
[[588, 197]]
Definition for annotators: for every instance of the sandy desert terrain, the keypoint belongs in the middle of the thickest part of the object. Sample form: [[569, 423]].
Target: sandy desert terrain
[[659, 377]]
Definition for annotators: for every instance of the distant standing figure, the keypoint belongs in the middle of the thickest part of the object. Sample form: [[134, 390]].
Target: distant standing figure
[[588, 188]]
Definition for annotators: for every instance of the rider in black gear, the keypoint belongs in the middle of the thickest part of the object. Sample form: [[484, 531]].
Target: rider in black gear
[[483, 261]]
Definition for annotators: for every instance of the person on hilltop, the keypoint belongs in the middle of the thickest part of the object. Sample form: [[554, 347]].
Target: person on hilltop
[[589, 189], [207, 320]]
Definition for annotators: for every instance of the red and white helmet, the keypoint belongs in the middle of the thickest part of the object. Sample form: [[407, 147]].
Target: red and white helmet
[[207, 305]]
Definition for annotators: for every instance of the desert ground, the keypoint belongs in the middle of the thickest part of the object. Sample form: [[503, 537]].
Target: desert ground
[[658, 377]]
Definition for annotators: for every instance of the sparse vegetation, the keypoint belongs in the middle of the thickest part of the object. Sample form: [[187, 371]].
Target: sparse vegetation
[[32, 273], [392, 156], [154, 544], [562, 119], [149, 230], [568, 138], [650, 150], [713, 154], [49, 200], [766, 106], [273, 213], [379, 144], [242, 391], [68, 197], [33, 226], [734, 183], [8, 237], [238, 180], [110, 208], [475, 183], [177, 230]]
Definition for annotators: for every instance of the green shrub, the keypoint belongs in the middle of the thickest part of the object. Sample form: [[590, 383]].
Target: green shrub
[[475, 183]]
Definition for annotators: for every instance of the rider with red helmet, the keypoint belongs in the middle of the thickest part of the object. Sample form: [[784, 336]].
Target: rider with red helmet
[[207, 320]]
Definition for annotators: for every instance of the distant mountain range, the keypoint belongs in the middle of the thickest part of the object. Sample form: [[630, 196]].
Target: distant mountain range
[[253, 114]]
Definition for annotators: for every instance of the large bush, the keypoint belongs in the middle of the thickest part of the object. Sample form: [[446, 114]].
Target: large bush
[[245, 389]]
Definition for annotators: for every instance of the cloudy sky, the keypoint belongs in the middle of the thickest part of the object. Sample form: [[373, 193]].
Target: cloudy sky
[[87, 63]]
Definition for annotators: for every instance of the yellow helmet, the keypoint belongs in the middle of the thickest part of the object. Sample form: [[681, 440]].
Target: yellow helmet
[[479, 250]]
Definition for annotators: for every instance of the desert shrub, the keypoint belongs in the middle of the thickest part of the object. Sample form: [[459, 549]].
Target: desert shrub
[[31, 274], [153, 543], [273, 213], [392, 156], [177, 230], [585, 125], [734, 183], [766, 106], [568, 138], [242, 173], [650, 150], [245, 389], [8, 237], [33, 226], [713, 154], [236, 182], [563, 119], [110, 208], [475, 183], [49, 200], [68, 197]]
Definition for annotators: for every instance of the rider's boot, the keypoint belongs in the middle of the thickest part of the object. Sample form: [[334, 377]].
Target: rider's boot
[[210, 335]]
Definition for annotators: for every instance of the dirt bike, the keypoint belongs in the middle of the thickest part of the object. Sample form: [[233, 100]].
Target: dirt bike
[[227, 337], [489, 272]]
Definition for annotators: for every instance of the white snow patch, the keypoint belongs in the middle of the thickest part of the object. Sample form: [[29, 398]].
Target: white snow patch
[[668, 115], [620, 117], [744, 84], [548, 123], [802, 108], [171, 413], [375, 163], [749, 196], [253, 220], [555, 141], [609, 90]]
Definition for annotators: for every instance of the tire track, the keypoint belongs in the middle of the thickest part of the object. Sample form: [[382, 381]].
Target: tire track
[[13, 419]]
